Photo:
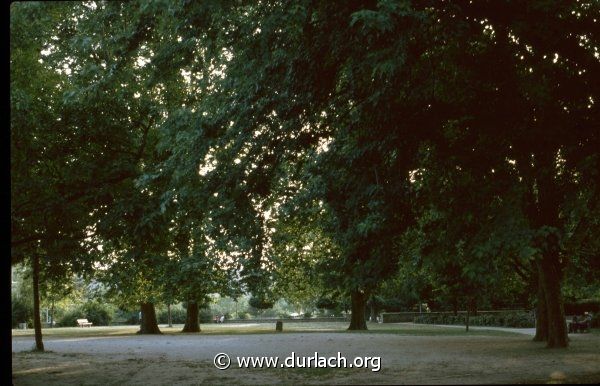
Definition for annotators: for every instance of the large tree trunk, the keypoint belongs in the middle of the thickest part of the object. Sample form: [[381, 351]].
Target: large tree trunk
[[544, 214], [37, 323], [357, 321], [541, 316], [149, 324], [169, 320], [550, 278], [191, 318]]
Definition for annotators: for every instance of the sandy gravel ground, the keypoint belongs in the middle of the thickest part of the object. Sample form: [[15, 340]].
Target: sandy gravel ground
[[187, 359]]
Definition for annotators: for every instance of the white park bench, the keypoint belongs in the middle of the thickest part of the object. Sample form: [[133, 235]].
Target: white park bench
[[84, 323]]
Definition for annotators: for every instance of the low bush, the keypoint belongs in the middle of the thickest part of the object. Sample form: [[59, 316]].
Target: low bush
[[69, 318], [127, 316], [270, 313], [326, 303], [582, 306], [244, 315], [97, 313], [22, 312], [205, 315], [177, 315], [261, 303]]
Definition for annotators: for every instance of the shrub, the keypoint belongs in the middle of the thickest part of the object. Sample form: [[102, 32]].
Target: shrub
[[205, 315], [519, 320], [260, 303], [22, 311], [270, 313], [582, 306], [69, 318], [178, 315], [127, 316], [98, 314], [244, 315], [326, 303]]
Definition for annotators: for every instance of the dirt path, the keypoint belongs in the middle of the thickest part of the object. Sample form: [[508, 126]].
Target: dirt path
[[188, 359]]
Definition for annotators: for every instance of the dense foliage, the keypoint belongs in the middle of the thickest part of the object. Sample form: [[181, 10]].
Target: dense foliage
[[333, 153]]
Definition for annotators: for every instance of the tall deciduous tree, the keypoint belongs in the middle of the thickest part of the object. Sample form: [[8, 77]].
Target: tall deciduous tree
[[209, 110]]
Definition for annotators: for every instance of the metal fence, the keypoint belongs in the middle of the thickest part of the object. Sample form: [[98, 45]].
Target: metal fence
[[291, 320], [403, 317]]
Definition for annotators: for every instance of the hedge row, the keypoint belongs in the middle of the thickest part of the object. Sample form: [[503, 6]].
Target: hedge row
[[582, 306], [516, 319], [178, 315], [97, 313], [22, 311]]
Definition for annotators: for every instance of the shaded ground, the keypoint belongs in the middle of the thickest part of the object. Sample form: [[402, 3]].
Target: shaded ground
[[409, 354]]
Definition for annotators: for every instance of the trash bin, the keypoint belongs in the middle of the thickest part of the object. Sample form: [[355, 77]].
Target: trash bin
[[23, 326]]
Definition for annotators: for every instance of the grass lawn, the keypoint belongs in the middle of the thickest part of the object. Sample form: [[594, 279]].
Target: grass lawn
[[410, 353], [265, 328]]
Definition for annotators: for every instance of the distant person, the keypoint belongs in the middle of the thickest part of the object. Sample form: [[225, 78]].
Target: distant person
[[222, 319], [573, 324], [585, 322], [580, 324]]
